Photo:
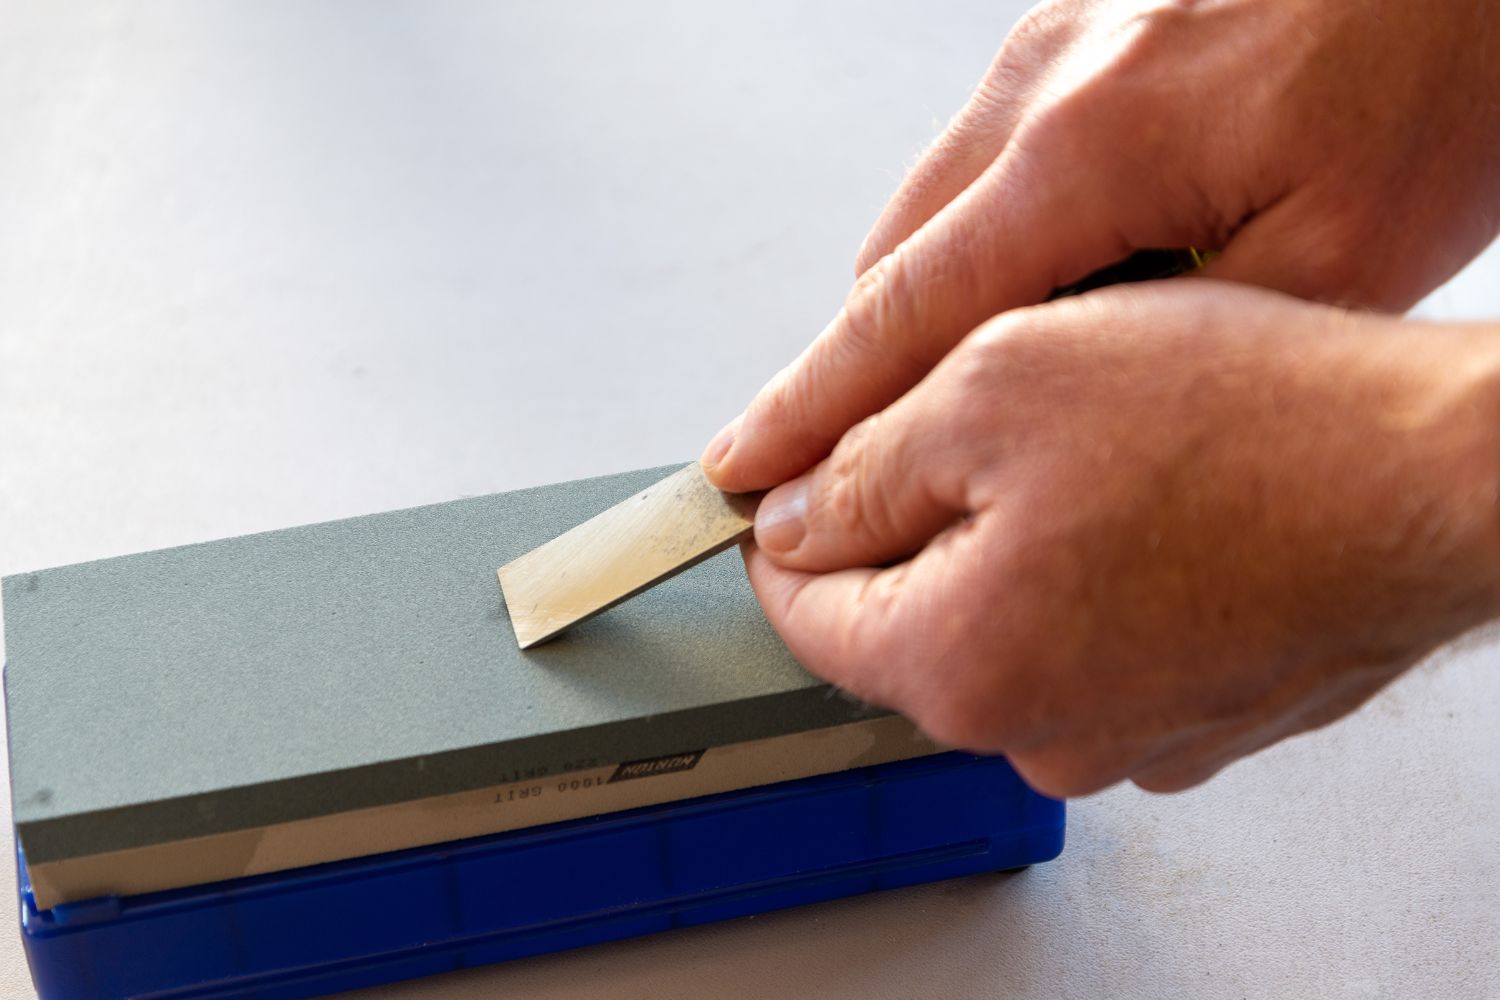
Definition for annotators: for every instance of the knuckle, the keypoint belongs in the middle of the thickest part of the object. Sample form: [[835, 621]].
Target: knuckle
[[1024, 52], [788, 405], [1007, 353], [883, 318], [870, 253], [871, 307], [855, 497], [1039, 32], [1153, 35], [777, 400], [1118, 67], [1039, 22], [1020, 329]]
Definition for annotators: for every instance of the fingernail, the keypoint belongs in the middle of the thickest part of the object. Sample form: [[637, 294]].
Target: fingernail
[[781, 520], [719, 446]]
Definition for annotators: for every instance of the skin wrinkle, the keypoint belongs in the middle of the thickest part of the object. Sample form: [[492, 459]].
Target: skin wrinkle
[[1200, 517], [1083, 556], [856, 499]]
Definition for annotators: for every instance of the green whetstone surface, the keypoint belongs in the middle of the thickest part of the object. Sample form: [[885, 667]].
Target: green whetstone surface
[[359, 663]]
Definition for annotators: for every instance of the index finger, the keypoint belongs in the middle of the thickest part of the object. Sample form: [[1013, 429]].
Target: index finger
[[1029, 225]]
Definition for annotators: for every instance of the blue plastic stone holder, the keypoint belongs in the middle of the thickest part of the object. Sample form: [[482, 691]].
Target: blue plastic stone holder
[[348, 924]]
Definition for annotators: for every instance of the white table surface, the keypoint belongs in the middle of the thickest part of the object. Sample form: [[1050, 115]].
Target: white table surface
[[263, 264]]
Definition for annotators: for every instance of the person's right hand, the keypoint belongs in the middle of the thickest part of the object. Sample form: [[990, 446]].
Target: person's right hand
[[1340, 150]]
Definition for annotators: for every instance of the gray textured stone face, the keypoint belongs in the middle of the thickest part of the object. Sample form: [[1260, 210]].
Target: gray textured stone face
[[360, 662]]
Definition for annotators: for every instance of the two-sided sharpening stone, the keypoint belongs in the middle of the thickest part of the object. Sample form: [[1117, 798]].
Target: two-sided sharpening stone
[[349, 688]]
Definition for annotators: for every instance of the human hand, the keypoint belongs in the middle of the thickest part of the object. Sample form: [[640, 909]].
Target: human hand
[[1341, 150], [1155, 528]]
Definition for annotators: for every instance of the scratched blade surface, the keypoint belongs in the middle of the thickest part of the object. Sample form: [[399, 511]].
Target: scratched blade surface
[[656, 534]]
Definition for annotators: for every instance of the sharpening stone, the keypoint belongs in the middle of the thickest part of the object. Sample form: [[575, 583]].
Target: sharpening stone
[[349, 688]]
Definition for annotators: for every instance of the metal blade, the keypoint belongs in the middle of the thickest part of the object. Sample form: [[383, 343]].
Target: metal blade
[[634, 545]]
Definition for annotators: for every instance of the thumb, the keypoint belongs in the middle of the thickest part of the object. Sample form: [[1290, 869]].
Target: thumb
[[889, 487]]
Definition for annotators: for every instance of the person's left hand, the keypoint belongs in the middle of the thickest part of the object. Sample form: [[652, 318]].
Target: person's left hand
[[1143, 532]]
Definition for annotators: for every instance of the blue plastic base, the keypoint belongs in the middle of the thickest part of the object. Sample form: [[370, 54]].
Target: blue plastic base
[[435, 909]]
